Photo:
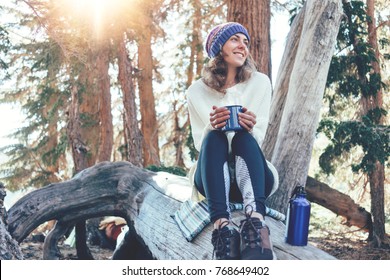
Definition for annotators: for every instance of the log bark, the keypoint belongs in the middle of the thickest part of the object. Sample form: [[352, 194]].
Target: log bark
[[143, 198], [50, 248], [339, 203], [282, 84], [9, 248]]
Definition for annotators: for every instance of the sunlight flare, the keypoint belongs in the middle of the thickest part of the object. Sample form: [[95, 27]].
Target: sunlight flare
[[99, 15]]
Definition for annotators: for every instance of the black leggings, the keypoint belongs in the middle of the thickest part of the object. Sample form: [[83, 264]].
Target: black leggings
[[252, 181]]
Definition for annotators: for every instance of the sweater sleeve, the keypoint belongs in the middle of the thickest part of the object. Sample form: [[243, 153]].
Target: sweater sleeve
[[199, 128], [262, 111]]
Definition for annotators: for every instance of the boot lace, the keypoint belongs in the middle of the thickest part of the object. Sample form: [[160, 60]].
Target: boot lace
[[220, 240], [250, 229]]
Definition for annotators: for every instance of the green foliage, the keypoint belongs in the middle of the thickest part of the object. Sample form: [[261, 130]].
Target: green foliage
[[373, 139], [4, 46], [88, 120], [43, 95], [28, 164], [351, 76], [294, 7], [17, 168], [51, 157], [190, 144], [169, 169]]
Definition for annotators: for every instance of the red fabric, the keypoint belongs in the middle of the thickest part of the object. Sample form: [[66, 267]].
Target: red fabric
[[112, 231]]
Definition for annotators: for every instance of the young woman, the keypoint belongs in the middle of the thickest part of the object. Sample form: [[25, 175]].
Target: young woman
[[231, 166]]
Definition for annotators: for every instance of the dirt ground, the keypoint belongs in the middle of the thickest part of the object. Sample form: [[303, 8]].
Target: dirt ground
[[351, 248], [33, 250]]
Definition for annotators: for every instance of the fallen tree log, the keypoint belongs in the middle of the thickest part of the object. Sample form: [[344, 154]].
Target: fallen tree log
[[145, 199], [339, 203]]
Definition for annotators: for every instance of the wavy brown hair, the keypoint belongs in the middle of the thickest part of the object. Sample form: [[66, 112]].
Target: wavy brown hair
[[215, 72]]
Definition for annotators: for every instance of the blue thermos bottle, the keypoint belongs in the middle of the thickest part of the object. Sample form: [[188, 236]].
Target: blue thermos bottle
[[298, 216]]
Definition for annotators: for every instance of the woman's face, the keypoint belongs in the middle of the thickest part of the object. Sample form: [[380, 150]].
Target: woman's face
[[235, 50]]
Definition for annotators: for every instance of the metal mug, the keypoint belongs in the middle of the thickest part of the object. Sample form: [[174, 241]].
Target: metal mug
[[232, 123]]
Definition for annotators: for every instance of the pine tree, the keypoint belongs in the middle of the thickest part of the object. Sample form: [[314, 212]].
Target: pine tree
[[355, 75]]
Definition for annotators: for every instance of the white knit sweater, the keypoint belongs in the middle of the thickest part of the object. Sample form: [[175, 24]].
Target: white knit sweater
[[254, 94]]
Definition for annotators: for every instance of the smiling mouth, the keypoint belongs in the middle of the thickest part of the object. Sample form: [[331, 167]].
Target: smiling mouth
[[237, 53]]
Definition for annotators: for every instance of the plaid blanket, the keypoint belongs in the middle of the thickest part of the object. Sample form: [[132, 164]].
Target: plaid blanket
[[192, 216]]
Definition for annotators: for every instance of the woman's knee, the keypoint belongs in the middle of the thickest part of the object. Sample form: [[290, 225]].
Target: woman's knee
[[215, 138], [216, 135], [243, 139]]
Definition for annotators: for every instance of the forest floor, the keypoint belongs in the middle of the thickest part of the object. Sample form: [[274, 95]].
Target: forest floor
[[348, 247], [344, 248]]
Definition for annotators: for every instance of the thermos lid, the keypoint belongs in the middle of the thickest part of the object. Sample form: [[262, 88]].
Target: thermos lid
[[298, 190]]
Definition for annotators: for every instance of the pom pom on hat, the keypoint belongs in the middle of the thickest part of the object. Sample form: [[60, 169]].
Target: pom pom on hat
[[220, 34]]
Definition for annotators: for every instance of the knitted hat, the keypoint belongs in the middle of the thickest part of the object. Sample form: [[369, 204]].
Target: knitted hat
[[220, 34]]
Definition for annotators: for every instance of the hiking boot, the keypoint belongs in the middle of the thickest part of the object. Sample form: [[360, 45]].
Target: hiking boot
[[255, 239], [226, 242]]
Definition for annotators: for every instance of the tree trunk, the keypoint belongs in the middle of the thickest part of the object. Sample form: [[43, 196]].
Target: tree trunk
[[88, 103], [78, 146], [104, 96], [105, 128], [255, 15], [377, 175], [282, 84], [80, 159], [301, 112], [149, 125], [133, 137], [369, 103], [144, 199], [90, 128]]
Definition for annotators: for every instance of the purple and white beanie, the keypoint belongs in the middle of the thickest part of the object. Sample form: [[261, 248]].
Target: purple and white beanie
[[220, 34]]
